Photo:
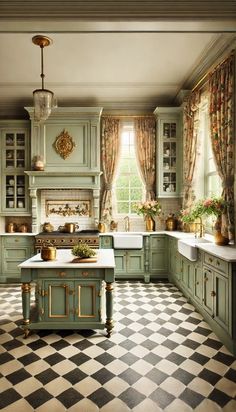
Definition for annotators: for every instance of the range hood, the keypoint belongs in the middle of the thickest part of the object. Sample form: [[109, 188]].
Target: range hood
[[69, 144]]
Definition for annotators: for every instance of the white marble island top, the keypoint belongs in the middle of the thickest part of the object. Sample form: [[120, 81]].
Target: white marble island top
[[105, 259]]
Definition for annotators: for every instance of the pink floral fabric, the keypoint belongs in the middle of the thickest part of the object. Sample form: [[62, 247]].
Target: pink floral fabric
[[110, 152], [221, 89], [190, 137], [145, 139]]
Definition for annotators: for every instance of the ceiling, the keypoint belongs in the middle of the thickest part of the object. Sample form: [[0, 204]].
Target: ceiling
[[121, 65]]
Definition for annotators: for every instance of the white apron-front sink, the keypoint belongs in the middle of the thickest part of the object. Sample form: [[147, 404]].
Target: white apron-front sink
[[127, 241], [188, 247]]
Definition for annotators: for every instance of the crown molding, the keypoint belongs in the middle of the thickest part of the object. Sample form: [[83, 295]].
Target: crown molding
[[117, 9], [210, 57]]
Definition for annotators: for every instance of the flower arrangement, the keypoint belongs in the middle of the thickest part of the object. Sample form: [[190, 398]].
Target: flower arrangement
[[150, 208], [210, 206]]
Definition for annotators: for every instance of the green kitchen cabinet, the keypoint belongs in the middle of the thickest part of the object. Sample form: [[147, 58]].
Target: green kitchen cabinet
[[129, 263], [15, 149], [216, 290], [15, 249], [187, 278], [68, 295], [198, 279], [70, 300], [169, 141], [158, 255], [172, 257]]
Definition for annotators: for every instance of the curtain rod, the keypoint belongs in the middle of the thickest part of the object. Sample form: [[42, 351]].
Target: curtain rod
[[211, 70], [127, 115]]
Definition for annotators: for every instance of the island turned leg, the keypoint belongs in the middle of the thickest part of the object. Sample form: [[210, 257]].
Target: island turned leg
[[109, 309], [25, 287]]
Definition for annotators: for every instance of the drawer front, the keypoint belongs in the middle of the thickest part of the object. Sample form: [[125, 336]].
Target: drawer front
[[219, 264], [16, 254], [18, 240], [157, 242], [82, 273]]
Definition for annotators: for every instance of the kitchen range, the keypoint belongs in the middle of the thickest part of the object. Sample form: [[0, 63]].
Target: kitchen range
[[63, 240]]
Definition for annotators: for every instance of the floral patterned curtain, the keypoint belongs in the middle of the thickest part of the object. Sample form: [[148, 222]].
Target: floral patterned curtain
[[190, 142], [110, 151], [221, 88], [145, 142]]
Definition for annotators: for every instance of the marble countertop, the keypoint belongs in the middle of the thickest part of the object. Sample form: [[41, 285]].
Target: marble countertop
[[18, 234], [227, 253], [64, 260]]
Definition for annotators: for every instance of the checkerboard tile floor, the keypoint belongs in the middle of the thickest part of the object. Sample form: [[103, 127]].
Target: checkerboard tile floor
[[162, 356]]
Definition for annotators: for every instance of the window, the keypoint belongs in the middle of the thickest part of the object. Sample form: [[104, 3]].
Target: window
[[212, 186], [208, 182], [129, 188]]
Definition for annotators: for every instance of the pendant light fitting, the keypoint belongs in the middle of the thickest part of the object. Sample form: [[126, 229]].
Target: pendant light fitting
[[43, 98]]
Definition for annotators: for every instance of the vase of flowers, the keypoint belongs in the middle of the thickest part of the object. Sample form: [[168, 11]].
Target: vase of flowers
[[149, 209], [215, 206]]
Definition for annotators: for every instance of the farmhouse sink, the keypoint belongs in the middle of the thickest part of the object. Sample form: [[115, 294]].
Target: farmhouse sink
[[188, 247], [127, 241]]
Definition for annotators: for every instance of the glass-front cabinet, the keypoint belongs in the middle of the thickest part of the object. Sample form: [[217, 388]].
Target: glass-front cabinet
[[15, 160], [168, 151]]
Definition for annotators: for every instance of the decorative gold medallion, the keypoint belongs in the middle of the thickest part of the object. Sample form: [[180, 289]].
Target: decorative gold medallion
[[64, 144]]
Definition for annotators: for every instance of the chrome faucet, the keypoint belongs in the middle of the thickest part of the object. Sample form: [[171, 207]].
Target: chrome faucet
[[200, 231], [127, 223]]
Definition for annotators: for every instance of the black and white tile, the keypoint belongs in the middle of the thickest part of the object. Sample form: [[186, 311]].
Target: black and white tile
[[162, 356]]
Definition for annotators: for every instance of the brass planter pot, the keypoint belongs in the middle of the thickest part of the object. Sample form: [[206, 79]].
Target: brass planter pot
[[48, 252]]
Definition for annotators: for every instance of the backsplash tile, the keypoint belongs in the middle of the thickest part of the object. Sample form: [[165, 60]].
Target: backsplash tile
[[64, 195]]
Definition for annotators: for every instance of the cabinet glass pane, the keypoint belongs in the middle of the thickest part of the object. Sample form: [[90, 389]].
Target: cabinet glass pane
[[9, 139], [20, 139], [169, 130]]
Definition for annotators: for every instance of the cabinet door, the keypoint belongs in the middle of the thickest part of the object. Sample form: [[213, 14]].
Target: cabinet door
[[197, 284], [120, 261], [208, 289], [58, 301], [15, 249], [188, 275], [168, 159], [15, 159], [135, 262], [158, 261], [172, 257], [221, 300], [88, 301]]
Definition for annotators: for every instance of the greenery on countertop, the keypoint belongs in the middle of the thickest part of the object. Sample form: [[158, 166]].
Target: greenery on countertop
[[82, 250], [205, 207]]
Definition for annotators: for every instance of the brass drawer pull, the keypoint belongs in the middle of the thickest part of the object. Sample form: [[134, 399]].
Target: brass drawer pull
[[218, 262], [62, 274], [85, 273], [213, 293], [210, 260]]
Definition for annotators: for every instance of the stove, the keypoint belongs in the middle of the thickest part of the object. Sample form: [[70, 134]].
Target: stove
[[63, 240]]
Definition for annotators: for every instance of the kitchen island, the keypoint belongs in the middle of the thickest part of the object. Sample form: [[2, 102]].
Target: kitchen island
[[68, 295]]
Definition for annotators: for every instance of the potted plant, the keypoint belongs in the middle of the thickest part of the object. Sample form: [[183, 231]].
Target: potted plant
[[149, 209], [82, 251]]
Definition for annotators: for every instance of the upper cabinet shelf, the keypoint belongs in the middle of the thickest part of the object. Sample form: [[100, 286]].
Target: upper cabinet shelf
[[169, 141]]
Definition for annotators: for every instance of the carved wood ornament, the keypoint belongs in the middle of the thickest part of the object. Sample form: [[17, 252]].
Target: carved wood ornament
[[64, 144]]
